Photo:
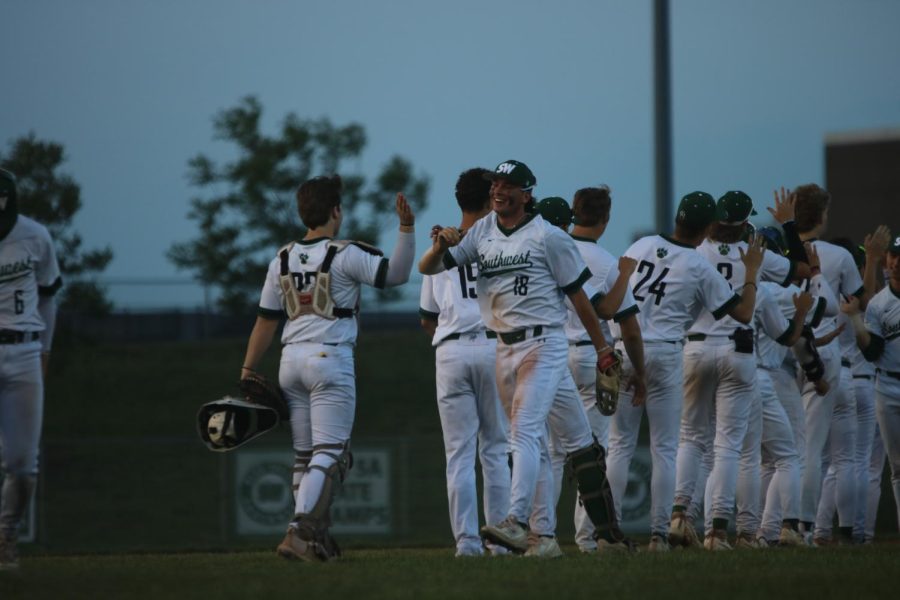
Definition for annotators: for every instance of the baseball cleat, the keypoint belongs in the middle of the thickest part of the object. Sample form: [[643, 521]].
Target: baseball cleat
[[9, 554], [791, 538], [508, 533], [466, 551], [682, 532], [294, 547], [715, 541], [658, 543], [749, 541], [544, 547]]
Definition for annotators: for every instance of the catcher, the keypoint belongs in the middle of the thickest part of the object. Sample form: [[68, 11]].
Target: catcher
[[315, 283]]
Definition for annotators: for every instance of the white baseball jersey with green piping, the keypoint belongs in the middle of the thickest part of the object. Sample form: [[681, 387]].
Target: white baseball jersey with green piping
[[316, 371], [883, 320], [524, 276], [472, 419], [671, 285], [837, 407], [29, 273]]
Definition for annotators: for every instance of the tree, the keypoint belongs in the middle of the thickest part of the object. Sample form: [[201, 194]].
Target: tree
[[252, 210], [52, 198]]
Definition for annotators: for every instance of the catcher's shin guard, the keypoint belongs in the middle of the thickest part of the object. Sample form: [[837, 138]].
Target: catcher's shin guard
[[588, 467], [334, 460]]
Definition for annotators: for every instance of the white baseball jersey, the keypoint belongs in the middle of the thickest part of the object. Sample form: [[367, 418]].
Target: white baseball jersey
[[672, 284], [842, 277], [850, 352], [450, 298], [771, 324], [27, 267], [350, 268], [727, 260], [514, 289], [883, 320], [771, 354], [604, 269]]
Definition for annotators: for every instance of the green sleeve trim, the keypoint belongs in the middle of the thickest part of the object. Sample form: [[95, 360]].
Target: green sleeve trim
[[268, 313], [818, 313], [381, 275], [50, 290], [576, 285], [875, 348], [428, 315], [723, 310], [624, 314], [792, 270], [859, 293], [596, 298], [449, 261], [782, 339]]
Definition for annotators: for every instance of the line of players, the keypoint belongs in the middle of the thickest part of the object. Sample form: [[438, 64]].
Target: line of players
[[761, 407]]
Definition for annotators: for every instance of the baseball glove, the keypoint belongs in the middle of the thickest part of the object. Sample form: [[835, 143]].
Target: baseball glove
[[609, 375], [259, 390]]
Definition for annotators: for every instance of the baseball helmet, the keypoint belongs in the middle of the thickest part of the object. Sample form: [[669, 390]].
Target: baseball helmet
[[229, 422], [773, 239]]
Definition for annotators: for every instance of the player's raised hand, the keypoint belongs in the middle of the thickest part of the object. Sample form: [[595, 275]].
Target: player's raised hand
[[784, 206], [627, 265], [813, 255], [446, 238], [752, 258], [851, 307], [877, 242], [435, 229], [803, 302], [407, 218]]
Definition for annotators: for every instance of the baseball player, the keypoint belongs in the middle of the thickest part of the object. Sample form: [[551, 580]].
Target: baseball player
[[857, 377], [609, 293], [878, 336], [783, 419], [29, 278], [673, 283], [470, 411], [526, 268], [315, 283], [720, 377], [830, 418]]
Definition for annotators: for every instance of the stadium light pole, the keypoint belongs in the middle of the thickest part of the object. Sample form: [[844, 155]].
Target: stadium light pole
[[662, 111]]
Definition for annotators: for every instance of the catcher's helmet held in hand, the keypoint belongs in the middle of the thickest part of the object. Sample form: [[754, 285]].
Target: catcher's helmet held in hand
[[228, 422]]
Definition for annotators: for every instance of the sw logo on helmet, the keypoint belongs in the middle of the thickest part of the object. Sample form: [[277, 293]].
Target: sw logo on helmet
[[506, 168]]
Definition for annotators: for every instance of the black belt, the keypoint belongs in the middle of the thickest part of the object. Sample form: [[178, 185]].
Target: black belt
[[699, 337], [846, 363], [514, 337], [487, 332], [584, 343], [11, 336], [894, 374], [862, 377]]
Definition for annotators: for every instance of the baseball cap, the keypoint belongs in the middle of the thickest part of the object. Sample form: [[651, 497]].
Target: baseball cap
[[515, 172], [894, 248], [697, 209], [555, 211], [734, 207], [773, 239]]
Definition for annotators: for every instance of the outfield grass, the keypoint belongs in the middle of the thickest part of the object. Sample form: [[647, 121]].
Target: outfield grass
[[855, 573]]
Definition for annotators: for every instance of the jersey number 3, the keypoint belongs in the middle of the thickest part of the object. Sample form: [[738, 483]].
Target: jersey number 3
[[657, 288]]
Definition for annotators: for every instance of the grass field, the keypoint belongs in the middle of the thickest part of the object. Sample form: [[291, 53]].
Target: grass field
[[856, 573]]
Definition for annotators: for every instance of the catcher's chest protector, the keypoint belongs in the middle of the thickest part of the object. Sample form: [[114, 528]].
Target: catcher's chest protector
[[318, 300]]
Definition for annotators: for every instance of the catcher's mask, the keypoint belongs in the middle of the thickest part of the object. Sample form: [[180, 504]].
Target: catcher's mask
[[230, 422]]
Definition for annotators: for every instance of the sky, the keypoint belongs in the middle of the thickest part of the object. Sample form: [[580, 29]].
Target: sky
[[130, 89]]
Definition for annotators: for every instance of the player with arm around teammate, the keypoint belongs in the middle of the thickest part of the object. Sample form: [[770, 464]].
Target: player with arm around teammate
[[526, 267], [471, 416], [316, 284], [27, 317], [878, 336], [671, 285]]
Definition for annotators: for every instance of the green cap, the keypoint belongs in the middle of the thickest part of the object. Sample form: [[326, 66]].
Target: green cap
[[515, 172], [734, 208], [894, 248], [697, 209], [555, 211]]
